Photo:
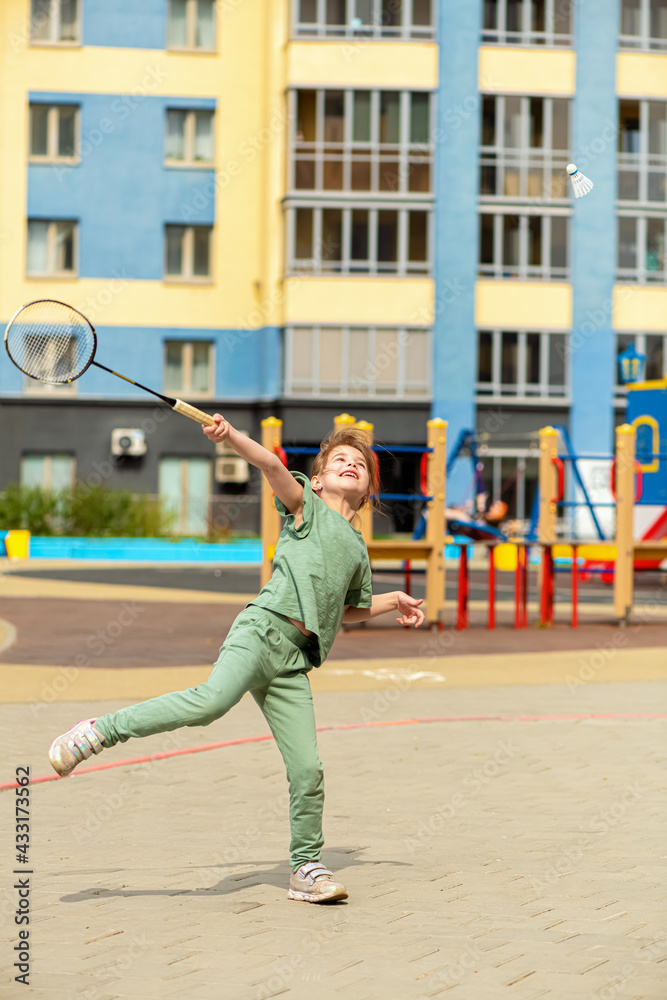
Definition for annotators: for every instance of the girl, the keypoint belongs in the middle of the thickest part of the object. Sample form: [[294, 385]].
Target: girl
[[321, 578]]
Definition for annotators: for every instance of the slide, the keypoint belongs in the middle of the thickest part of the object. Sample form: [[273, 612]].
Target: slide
[[654, 533]]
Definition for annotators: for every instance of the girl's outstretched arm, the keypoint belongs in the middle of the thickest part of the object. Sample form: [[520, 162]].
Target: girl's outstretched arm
[[408, 607], [283, 484]]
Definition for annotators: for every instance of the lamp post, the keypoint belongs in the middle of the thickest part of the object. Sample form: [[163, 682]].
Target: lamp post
[[631, 365]]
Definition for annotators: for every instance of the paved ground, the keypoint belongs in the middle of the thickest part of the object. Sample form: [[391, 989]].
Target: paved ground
[[513, 849]]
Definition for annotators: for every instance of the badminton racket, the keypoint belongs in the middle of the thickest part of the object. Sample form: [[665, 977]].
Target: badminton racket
[[55, 343]]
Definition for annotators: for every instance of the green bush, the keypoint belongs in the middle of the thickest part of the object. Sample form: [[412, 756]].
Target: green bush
[[84, 511], [30, 508]]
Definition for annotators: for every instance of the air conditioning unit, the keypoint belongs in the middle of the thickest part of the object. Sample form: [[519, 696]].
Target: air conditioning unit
[[224, 448], [231, 469], [128, 441]]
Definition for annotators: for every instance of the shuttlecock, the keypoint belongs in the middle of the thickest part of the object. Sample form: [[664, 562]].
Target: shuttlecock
[[580, 184]]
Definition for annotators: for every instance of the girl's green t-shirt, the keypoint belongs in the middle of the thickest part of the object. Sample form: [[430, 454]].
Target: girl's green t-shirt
[[318, 569]]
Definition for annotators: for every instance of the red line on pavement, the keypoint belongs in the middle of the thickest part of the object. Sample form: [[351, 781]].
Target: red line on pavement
[[148, 758]]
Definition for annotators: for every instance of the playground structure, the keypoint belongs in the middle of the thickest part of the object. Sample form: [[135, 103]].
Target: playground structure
[[637, 478], [430, 548], [635, 460]]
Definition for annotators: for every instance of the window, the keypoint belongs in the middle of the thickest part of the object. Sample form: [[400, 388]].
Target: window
[[362, 140], [184, 485], [642, 152], [524, 150], [653, 346], [189, 137], [522, 363], [191, 24], [642, 191], [527, 22], [188, 252], [524, 246], [50, 472], [353, 240], [51, 248], [644, 25], [188, 368], [524, 194], [55, 22], [358, 362], [511, 475], [53, 131], [641, 248], [57, 361], [365, 18]]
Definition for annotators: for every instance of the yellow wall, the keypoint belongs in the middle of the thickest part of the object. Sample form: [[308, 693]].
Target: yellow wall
[[526, 71], [637, 307], [534, 305], [363, 63], [248, 81], [641, 74], [408, 301]]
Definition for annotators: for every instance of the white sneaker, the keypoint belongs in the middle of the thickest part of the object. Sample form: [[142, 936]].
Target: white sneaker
[[313, 883], [77, 744]]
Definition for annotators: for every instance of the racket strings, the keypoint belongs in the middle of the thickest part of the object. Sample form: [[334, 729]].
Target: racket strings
[[50, 342]]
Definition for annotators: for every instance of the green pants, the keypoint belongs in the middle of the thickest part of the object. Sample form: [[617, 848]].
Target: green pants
[[266, 655]]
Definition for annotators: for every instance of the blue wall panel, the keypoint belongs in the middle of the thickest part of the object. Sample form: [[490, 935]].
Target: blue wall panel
[[125, 23], [456, 222], [120, 192], [594, 227], [247, 362]]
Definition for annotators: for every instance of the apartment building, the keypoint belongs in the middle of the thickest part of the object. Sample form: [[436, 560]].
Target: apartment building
[[307, 207]]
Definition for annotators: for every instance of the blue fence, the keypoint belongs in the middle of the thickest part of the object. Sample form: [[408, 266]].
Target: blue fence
[[188, 550]]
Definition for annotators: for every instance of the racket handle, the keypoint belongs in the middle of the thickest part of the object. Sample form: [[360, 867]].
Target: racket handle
[[193, 413]]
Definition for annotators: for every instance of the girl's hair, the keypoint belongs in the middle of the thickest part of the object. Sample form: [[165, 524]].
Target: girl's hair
[[353, 439]]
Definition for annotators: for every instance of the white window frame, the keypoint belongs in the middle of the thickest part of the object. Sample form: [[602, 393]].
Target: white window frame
[[644, 40], [497, 392], [350, 386], [492, 457], [524, 157], [643, 162], [188, 251], [370, 31], [51, 271], [189, 160], [406, 153], [191, 29], [526, 36], [187, 356], [47, 479], [641, 274], [55, 26], [319, 264], [523, 270], [52, 126]]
